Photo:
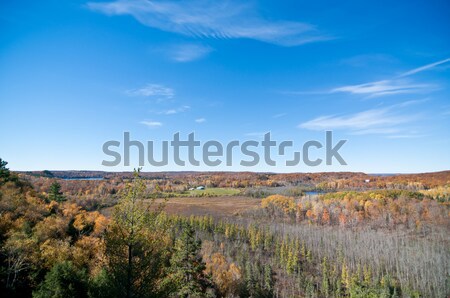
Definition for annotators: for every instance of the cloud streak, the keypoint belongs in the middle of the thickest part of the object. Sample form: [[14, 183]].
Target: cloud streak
[[386, 121], [151, 124], [385, 87], [227, 19], [188, 52], [393, 86], [358, 121], [175, 111], [425, 67], [397, 85], [152, 90], [279, 115]]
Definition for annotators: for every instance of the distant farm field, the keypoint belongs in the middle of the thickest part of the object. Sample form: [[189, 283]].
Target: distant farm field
[[222, 206], [213, 192]]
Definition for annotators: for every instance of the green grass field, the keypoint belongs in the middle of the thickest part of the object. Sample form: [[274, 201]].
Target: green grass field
[[211, 192]]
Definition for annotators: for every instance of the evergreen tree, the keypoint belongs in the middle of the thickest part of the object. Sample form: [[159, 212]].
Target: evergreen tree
[[63, 281], [325, 275], [6, 175], [268, 280], [100, 286], [250, 281], [187, 268], [55, 193], [136, 245], [4, 171]]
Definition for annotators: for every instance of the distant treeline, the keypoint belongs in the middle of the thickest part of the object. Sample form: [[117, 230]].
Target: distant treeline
[[325, 180]]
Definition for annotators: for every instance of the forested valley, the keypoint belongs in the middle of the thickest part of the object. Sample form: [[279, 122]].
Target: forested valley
[[307, 235]]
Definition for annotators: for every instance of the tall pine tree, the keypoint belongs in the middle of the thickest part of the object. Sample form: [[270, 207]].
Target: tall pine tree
[[186, 266], [136, 245], [55, 193]]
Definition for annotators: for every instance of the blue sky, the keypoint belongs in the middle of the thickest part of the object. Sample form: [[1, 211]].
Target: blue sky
[[75, 74]]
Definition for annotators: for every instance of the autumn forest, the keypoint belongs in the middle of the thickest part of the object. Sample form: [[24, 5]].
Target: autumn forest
[[219, 234]]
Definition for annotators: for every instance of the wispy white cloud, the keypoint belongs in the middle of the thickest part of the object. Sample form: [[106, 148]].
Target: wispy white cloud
[[200, 120], [386, 121], [397, 85], [188, 52], [359, 121], [170, 112], [406, 136], [152, 124], [425, 67], [392, 86], [385, 87], [279, 115], [153, 90], [175, 110], [212, 19], [411, 102]]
